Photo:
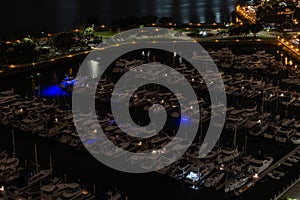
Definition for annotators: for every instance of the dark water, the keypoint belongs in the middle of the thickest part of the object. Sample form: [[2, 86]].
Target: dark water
[[62, 15]]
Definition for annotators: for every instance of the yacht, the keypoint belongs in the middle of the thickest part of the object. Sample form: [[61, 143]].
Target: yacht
[[74, 192], [258, 166], [215, 180], [284, 134], [295, 139], [236, 182], [258, 129]]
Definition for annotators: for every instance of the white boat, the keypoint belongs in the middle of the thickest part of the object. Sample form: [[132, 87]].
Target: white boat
[[277, 175], [237, 182], [215, 180], [74, 192], [258, 166], [296, 138]]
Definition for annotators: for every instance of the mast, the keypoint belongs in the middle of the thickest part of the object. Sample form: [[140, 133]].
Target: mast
[[36, 159], [50, 164], [13, 141]]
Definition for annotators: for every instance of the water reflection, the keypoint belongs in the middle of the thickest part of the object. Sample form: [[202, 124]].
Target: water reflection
[[61, 15]]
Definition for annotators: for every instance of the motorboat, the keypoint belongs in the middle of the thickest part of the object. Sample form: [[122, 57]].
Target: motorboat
[[257, 166]]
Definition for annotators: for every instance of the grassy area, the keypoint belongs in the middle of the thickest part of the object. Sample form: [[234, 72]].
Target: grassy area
[[105, 34]]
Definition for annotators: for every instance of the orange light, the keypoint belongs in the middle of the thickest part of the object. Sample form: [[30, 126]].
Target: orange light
[[33, 64], [76, 30], [49, 35], [70, 56], [12, 66], [153, 24], [52, 60], [102, 26], [8, 42]]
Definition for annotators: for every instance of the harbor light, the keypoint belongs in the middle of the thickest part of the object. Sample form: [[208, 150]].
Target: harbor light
[[2, 188], [140, 143], [255, 176], [222, 167], [56, 120]]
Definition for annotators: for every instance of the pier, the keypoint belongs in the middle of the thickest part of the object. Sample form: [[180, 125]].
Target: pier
[[270, 169]]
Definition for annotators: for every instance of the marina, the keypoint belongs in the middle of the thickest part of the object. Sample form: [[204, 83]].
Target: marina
[[260, 107]]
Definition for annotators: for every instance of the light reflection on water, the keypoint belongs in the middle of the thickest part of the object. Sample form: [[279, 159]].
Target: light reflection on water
[[62, 15]]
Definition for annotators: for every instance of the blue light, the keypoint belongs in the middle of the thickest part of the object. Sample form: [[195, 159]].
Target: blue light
[[53, 91], [185, 119], [91, 141]]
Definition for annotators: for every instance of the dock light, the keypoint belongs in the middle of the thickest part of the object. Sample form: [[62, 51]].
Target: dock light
[[191, 107], [153, 24], [255, 176], [12, 66], [140, 143], [222, 167], [21, 110], [102, 26], [56, 120], [2, 188], [282, 95], [95, 131]]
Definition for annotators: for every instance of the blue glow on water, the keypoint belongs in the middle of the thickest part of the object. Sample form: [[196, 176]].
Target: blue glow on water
[[185, 119], [53, 91], [67, 83], [91, 141]]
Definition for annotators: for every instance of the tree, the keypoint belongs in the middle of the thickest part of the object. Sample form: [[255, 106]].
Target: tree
[[64, 41], [89, 32], [165, 20], [255, 28]]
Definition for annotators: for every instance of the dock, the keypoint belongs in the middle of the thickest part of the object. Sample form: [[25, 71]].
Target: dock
[[271, 168]]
